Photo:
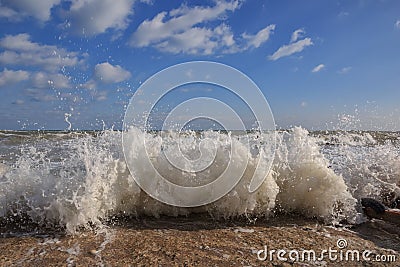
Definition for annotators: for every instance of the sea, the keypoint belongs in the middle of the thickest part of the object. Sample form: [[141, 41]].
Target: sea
[[73, 180]]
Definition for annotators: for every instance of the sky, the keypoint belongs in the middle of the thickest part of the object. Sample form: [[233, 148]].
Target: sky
[[320, 64]]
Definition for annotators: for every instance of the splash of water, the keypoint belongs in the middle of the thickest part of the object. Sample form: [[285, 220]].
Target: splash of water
[[77, 181]]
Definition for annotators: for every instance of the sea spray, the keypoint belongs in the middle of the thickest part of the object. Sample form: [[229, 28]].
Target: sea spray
[[307, 183], [368, 161], [80, 180]]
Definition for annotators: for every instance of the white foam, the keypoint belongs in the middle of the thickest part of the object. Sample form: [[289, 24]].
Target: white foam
[[86, 180]]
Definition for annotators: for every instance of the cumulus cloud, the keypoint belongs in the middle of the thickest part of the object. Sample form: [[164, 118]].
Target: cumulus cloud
[[99, 95], [177, 21], [185, 30], [39, 95], [43, 80], [21, 51], [91, 17], [44, 98], [261, 37], [15, 10], [179, 31], [85, 17], [318, 68], [397, 24], [295, 45], [198, 41], [345, 70], [107, 73], [287, 50], [9, 76], [18, 102], [297, 34], [149, 2]]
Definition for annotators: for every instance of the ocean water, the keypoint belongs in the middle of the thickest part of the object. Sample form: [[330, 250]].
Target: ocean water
[[75, 180]]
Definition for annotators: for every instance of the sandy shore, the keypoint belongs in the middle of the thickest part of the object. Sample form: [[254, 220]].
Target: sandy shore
[[198, 241]]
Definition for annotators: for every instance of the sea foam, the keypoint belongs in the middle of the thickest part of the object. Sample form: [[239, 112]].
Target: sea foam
[[82, 180]]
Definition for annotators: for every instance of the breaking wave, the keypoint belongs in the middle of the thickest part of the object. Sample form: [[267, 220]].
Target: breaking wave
[[76, 180]]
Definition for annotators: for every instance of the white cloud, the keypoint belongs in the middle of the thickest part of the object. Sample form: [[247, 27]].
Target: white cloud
[[199, 41], [21, 51], [15, 10], [107, 73], [39, 95], [148, 2], [287, 50], [9, 13], [297, 34], [343, 14], [397, 24], [345, 70], [19, 42], [303, 104], [49, 80], [177, 21], [179, 30], [85, 17], [99, 95], [18, 102], [91, 17], [10, 76], [192, 41], [45, 98], [318, 68], [183, 30], [261, 37], [91, 84]]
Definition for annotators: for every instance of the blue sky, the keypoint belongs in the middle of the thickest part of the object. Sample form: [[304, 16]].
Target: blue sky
[[320, 64]]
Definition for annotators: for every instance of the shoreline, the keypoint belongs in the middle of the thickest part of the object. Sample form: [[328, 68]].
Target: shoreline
[[196, 241]]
